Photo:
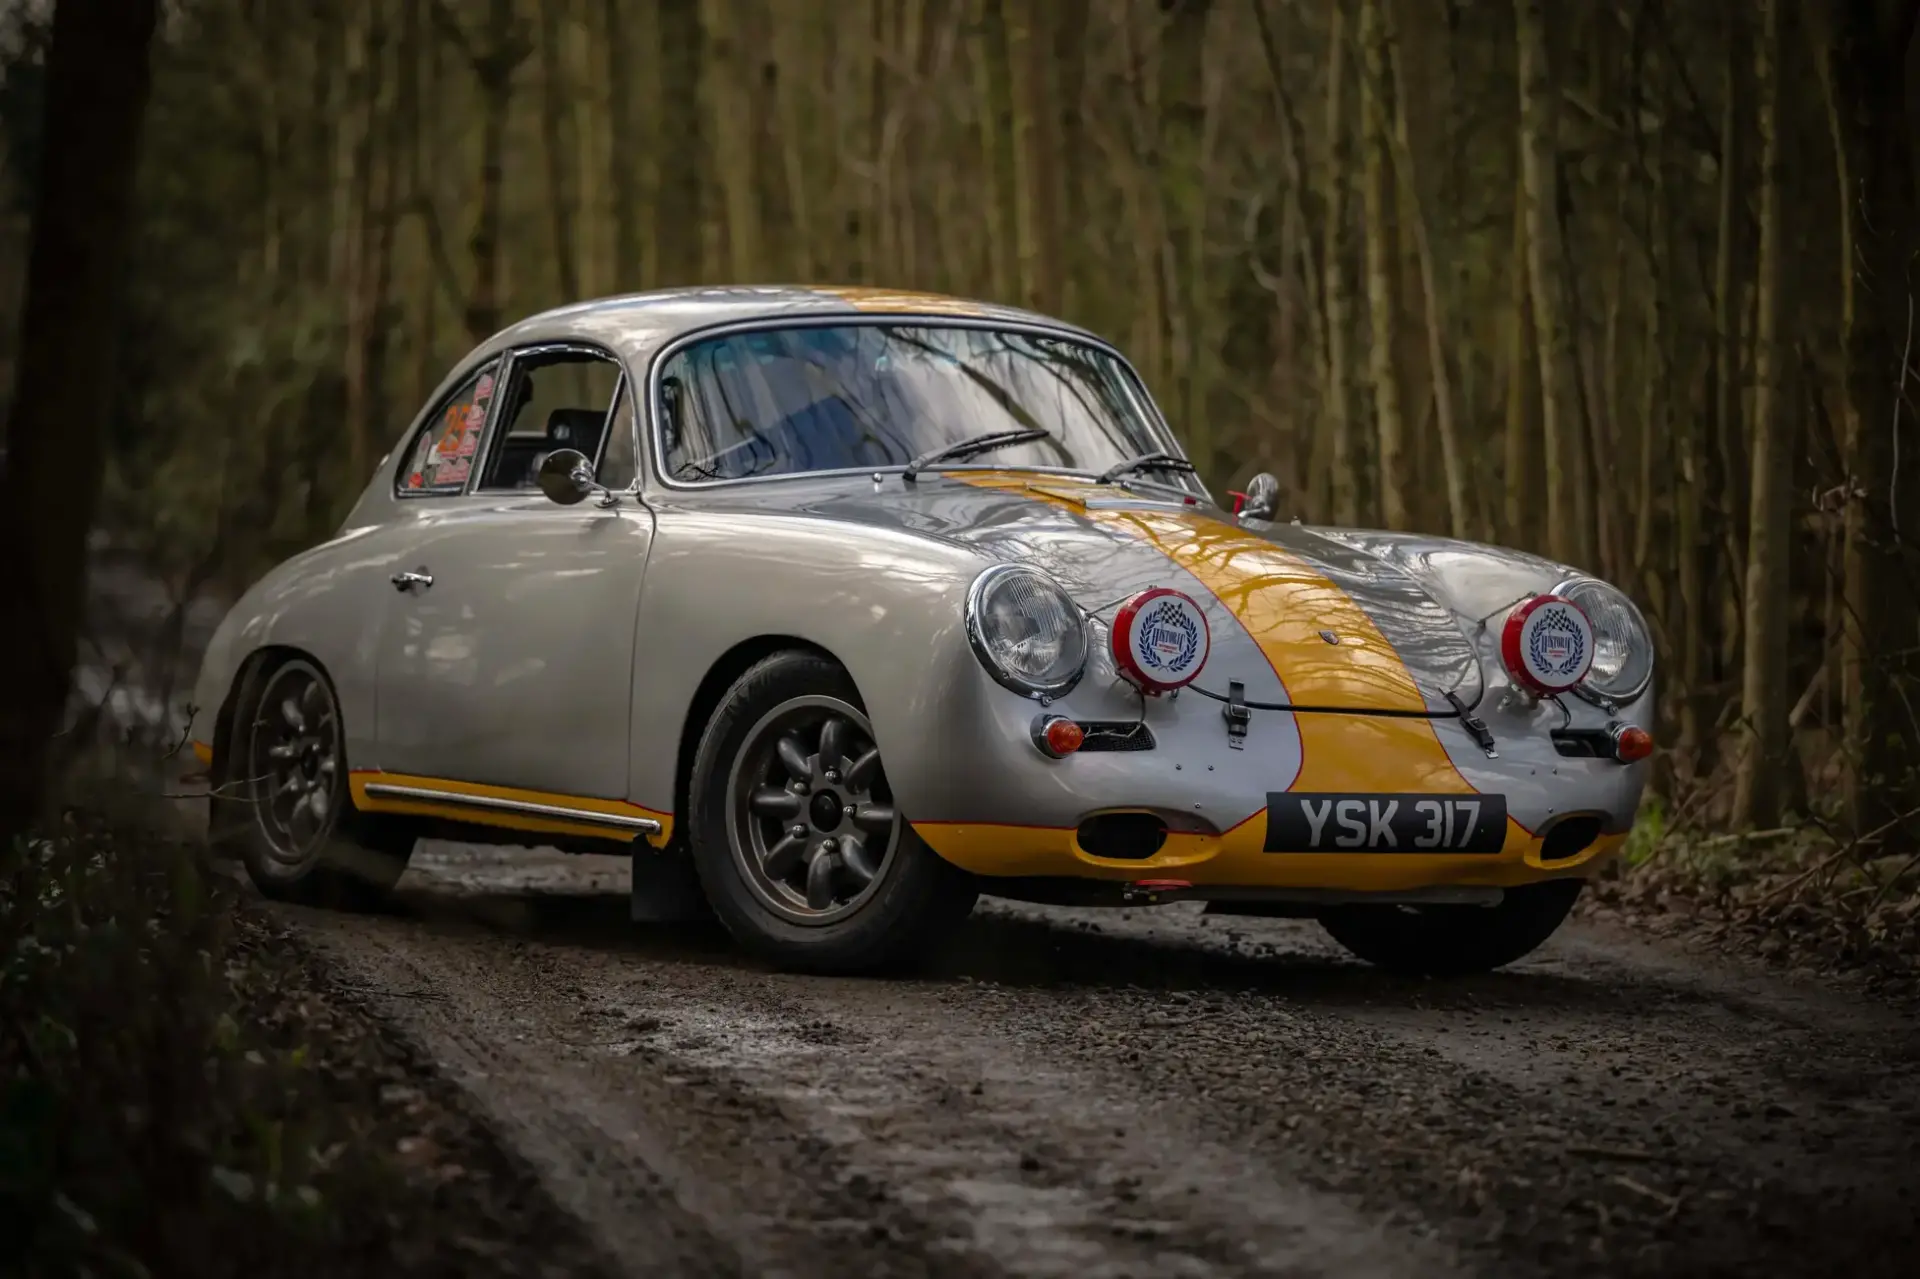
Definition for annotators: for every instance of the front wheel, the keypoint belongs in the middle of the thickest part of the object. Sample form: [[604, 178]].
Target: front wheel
[[795, 835], [1454, 940]]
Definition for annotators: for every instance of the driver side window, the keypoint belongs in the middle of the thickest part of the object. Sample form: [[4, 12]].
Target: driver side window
[[554, 399]]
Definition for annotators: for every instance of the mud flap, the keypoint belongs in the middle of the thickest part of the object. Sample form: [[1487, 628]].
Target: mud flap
[[665, 889]]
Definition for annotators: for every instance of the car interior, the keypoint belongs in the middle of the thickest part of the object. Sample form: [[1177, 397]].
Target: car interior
[[558, 401]]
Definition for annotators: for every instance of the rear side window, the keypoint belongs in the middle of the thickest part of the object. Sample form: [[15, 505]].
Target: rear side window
[[443, 454]]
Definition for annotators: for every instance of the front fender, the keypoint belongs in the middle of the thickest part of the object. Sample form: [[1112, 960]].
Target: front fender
[[887, 604], [326, 602]]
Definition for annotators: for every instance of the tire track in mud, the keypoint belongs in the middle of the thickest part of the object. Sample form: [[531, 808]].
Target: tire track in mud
[[945, 1150], [1148, 1093], [1670, 1119]]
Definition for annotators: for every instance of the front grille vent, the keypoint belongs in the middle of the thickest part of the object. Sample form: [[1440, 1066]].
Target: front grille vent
[[1570, 837], [1117, 735], [1122, 836]]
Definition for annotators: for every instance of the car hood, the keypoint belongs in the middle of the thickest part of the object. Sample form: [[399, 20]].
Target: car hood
[[1338, 622]]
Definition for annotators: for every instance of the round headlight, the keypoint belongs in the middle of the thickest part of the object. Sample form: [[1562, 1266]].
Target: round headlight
[[1622, 645], [1028, 632]]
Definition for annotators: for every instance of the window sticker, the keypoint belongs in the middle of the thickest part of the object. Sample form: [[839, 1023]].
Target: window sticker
[[445, 455]]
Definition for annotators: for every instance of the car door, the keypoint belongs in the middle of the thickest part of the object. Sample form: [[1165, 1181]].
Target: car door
[[506, 655]]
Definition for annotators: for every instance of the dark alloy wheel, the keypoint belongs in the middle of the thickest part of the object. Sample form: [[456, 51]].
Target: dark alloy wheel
[[811, 822], [285, 808], [796, 837]]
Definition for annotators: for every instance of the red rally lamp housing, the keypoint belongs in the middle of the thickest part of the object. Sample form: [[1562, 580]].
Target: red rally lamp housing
[[1547, 644], [1160, 640]]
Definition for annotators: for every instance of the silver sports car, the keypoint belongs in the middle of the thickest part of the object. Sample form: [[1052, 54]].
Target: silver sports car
[[838, 607]]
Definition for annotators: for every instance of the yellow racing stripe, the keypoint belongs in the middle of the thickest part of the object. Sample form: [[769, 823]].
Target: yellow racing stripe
[[1284, 603], [871, 299]]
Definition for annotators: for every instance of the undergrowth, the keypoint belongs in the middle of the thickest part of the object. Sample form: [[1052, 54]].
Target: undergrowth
[[1805, 892], [146, 1124]]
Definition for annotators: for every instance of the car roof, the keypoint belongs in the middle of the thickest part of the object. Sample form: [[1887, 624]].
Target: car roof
[[636, 325]]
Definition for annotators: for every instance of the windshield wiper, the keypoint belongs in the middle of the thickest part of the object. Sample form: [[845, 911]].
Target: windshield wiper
[[1159, 461], [967, 448]]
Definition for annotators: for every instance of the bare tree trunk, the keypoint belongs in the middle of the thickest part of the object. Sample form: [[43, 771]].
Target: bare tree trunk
[[1335, 400], [628, 162], [1763, 685], [993, 95], [1726, 359], [735, 133], [1376, 200], [1069, 24], [97, 79], [681, 205], [1521, 470], [1462, 519], [555, 112], [352, 213], [1567, 541], [493, 66], [1870, 39]]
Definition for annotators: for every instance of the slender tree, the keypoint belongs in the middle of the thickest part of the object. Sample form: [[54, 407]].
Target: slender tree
[[97, 79], [1376, 205], [1763, 688], [1567, 540]]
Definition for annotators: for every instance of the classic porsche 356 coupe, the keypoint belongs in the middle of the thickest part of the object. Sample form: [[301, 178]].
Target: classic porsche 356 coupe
[[839, 607]]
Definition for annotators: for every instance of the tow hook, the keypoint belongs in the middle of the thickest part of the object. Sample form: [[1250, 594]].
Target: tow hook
[[1146, 892]]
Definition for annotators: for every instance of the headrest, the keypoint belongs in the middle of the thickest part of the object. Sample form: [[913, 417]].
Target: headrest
[[575, 429]]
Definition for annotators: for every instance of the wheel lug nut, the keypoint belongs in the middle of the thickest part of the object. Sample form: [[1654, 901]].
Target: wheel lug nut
[[847, 811], [799, 788], [833, 774], [799, 831]]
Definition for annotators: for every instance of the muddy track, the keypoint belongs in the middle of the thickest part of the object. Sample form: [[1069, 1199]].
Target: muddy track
[[1151, 1093]]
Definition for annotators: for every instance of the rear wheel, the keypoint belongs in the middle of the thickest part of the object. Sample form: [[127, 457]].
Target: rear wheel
[[1454, 940], [796, 838], [284, 808]]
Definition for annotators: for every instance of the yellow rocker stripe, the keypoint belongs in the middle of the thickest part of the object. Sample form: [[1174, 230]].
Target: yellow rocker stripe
[[534, 823]]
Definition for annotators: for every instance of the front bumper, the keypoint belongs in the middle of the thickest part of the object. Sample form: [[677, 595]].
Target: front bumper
[[1234, 859], [1001, 809]]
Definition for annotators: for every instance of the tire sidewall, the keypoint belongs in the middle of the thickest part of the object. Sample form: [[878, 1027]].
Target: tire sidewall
[[917, 893], [1456, 940], [357, 860]]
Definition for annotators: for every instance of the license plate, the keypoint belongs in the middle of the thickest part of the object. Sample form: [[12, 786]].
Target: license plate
[[1335, 822]]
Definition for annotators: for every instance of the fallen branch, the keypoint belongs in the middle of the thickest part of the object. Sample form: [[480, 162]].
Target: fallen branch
[[1747, 836], [1672, 1202], [1629, 1154], [1833, 857]]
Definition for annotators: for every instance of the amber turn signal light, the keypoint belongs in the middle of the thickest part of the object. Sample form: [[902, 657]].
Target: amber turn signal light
[[1056, 735], [1631, 743]]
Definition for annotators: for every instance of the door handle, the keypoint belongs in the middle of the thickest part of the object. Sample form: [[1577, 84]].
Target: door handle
[[408, 579]]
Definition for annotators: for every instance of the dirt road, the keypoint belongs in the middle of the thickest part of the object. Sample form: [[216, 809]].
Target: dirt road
[[1090, 1094]]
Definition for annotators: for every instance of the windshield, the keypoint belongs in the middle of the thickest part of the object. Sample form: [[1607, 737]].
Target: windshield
[[865, 396]]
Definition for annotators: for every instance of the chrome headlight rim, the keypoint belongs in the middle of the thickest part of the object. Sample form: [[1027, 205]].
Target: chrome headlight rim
[[977, 638], [1590, 687]]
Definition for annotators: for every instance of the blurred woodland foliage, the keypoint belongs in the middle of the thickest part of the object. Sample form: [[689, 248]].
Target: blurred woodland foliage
[[1624, 281]]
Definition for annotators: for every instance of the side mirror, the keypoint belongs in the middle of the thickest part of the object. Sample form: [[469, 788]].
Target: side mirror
[[566, 476], [1262, 499]]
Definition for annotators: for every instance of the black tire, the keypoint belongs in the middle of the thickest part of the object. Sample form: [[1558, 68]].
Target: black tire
[[1452, 941], [283, 806], [899, 904]]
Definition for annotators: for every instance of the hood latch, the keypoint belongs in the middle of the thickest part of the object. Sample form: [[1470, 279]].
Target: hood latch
[[1237, 715], [1475, 726]]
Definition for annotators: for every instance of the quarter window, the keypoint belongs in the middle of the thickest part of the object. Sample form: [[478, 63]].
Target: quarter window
[[443, 454]]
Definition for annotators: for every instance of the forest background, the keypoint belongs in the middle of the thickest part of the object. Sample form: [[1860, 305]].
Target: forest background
[[1627, 283]]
